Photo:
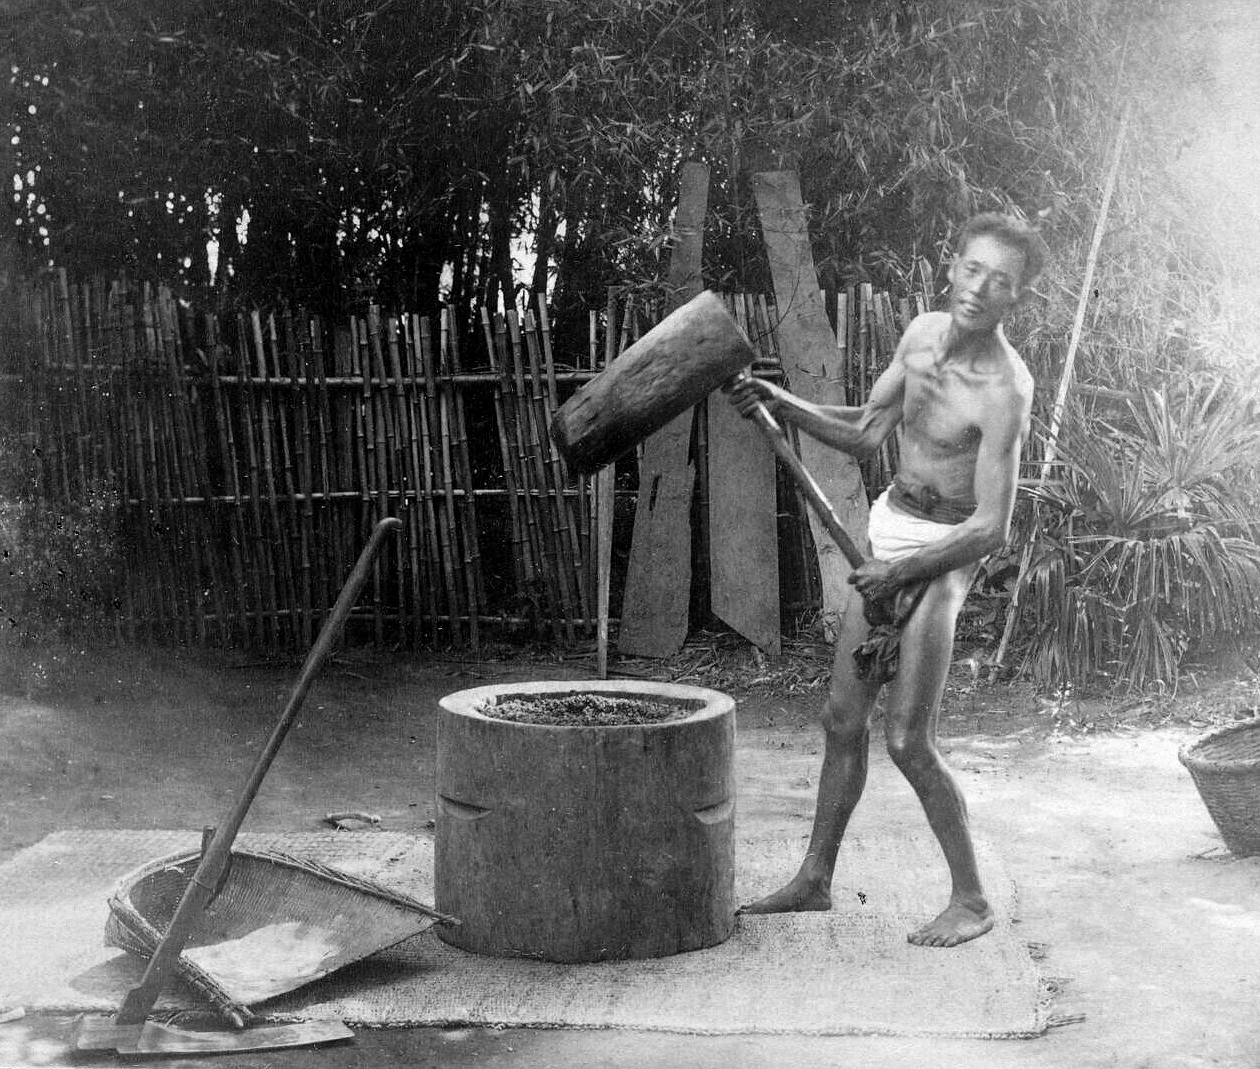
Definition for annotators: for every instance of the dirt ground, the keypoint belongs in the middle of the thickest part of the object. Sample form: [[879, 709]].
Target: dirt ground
[[1151, 929]]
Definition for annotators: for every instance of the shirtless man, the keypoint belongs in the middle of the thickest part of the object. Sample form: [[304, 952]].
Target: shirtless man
[[961, 397]]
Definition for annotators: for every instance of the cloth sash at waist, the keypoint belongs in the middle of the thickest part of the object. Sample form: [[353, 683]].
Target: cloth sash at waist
[[926, 502]]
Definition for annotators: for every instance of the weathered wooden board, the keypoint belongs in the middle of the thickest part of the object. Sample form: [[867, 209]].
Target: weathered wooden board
[[658, 576], [743, 527], [811, 363]]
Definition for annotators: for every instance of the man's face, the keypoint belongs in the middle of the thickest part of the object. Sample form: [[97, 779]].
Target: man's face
[[984, 283]]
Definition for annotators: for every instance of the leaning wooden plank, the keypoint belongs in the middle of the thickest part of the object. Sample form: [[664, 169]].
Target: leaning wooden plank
[[811, 364], [658, 577], [743, 527]]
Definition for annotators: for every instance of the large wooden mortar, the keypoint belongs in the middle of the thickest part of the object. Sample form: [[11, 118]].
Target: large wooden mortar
[[586, 843]]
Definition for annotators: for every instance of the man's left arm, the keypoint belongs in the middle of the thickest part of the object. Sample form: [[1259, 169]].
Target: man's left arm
[[996, 479]]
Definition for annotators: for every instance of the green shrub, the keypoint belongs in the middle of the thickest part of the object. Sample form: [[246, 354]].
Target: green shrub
[[1145, 548], [62, 573]]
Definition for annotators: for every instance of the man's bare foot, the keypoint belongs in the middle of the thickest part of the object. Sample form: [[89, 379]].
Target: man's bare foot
[[799, 896], [958, 923]]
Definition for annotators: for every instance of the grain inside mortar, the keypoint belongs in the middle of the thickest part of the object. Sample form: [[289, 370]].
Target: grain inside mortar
[[586, 710]]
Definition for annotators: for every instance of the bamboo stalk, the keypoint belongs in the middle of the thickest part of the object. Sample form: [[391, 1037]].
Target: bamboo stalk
[[260, 549], [522, 565], [576, 517], [299, 349], [419, 334], [566, 541], [167, 462], [379, 415], [463, 464], [227, 453], [192, 533], [605, 508], [1065, 379], [544, 590], [269, 421], [440, 451], [589, 483], [153, 591], [411, 577], [547, 521], [332, 549]]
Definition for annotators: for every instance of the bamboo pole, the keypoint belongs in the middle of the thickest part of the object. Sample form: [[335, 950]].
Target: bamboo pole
[[522, 565], [1065, 379], [227, 452], [572, 507], [384, 438], [298, 348], [544, 592], [332, 548], [605, 508], [568, 556], [184, 578], [198, 569], [440, 451], [411, 576], [548, 519], [419, 341], [152, 593], [260, 549], [463, 465]]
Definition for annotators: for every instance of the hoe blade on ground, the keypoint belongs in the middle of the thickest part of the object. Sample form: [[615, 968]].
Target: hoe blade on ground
[[151, 1037]]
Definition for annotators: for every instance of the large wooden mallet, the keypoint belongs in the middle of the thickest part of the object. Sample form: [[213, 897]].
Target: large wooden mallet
[[690, 353]]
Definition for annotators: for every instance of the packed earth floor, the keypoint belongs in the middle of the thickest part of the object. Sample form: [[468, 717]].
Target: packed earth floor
[[1148, 925]]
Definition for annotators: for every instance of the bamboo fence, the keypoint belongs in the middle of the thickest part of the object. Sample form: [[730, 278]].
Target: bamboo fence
[[252, 455]]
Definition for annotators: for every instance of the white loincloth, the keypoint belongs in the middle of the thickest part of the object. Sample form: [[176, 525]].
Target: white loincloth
[[895, 534]]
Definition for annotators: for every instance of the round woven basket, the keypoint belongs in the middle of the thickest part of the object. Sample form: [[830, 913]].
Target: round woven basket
[[1225, 766]]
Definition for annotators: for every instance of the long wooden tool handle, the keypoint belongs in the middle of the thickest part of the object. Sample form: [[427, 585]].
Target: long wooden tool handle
[[778, 440], [140, 999]]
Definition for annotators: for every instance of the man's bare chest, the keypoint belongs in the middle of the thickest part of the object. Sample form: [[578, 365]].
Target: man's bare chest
[[943, 405]]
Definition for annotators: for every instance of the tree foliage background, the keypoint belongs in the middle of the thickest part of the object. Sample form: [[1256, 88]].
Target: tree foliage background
[[329, 151]]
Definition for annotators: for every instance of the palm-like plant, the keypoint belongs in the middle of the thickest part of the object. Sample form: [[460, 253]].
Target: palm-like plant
[[1145, 545]]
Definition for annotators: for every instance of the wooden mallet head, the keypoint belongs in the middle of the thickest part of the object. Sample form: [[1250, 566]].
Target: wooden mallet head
[[673, 367]]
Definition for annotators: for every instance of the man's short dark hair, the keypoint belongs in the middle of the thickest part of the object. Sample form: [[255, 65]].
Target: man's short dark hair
[[1012, 231]]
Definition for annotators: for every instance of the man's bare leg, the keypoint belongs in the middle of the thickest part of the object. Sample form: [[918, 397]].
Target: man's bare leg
[[846, 726], [913, 704]]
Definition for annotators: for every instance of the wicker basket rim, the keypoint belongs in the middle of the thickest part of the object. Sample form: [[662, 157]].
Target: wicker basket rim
[[1191, 758]]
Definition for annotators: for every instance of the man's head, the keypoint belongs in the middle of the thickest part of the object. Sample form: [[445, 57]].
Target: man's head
[[998, 257]]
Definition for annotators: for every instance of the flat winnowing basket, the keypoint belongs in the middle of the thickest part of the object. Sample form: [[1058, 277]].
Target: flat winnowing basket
[[277, 923], [1225, 766]]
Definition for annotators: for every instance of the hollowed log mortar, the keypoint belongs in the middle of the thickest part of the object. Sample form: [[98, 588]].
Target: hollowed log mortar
[[575, 843]]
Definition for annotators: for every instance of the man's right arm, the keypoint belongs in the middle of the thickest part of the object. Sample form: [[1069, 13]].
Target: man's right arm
[[858, 431]]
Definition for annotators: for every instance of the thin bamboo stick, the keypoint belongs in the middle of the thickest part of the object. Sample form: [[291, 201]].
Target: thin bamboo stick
[[418, 334], [331, 546], [260, 548], [566, 544], [231, 478], [152, 591], [381, 436], [543, 592], [298, 347], [605, 508], [440, 452], [522, 565], [192, 530], [167, 463], [463, 466], [411, 577], [548, 520], [576, 516]]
